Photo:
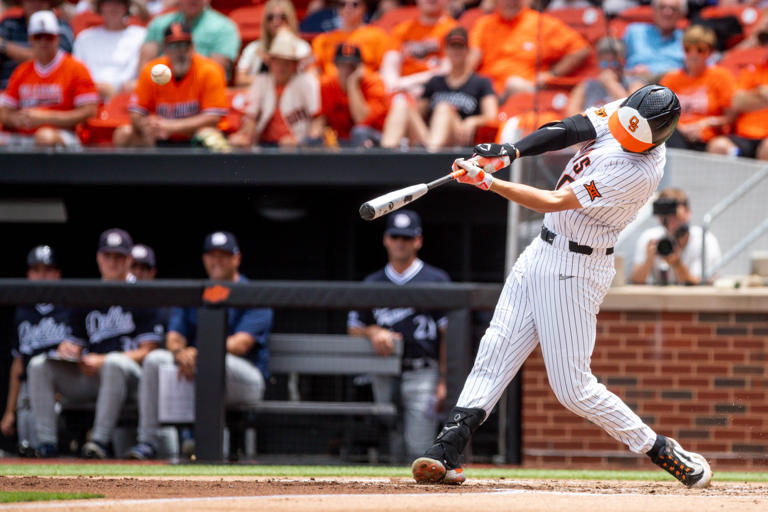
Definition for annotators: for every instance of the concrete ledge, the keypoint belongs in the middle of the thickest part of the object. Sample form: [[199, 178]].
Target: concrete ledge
[[686, 298]]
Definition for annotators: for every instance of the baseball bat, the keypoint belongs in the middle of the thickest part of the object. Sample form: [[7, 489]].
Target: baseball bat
[[391, 201]]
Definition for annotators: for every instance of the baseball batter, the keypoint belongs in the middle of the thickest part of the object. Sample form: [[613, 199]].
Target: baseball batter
[[555, 289]]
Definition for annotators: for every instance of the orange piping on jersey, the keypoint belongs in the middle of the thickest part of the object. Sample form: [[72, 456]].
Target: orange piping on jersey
[[625, 138]]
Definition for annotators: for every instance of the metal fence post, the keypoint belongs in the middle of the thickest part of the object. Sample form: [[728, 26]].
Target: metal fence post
[[209, 383]]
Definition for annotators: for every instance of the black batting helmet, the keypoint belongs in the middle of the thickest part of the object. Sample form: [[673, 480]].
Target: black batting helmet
[[646, 118]]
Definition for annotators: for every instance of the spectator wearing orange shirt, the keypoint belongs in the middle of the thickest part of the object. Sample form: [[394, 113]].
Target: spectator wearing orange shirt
[[372, 41], [704, 91], [519, 48], [750, 104], [189, 106], [48, 96], [418, 54], [281, 103], [354, 101]]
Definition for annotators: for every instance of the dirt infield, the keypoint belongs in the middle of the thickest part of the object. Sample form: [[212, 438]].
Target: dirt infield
[[191, 494]]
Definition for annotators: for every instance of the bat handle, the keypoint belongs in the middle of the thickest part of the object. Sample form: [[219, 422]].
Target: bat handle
[[446, 179]]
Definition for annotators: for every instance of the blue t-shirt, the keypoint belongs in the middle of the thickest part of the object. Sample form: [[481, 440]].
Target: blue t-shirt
[[419, 328], [646, 46], [255, 321], [38, 329], [116, 328]]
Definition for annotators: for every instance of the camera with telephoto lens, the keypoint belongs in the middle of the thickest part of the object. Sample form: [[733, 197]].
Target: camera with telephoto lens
[[668, 206]]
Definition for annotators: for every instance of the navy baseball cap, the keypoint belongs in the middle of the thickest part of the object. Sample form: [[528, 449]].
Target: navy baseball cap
[[403, 223], [222, 241], [143, 255], [116, 240], [42, 255]]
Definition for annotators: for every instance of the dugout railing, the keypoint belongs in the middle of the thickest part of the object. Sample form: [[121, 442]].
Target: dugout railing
[[212, 299]]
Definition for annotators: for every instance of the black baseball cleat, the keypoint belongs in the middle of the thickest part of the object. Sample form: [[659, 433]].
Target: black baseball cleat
[[427, 470], [691, 469]]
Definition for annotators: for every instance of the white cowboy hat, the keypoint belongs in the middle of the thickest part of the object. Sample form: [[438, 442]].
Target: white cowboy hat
[[285, 45]]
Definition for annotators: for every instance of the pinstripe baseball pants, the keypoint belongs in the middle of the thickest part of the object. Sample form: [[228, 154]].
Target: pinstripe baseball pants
[[552, 297]]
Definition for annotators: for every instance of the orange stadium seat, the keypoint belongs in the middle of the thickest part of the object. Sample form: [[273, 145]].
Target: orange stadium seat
[[547, 100], [588, 21], [11, 12], [98, 130], [84, 20], [248, 21], [227, 6], [738, 59], [470, 16], [395, 16]]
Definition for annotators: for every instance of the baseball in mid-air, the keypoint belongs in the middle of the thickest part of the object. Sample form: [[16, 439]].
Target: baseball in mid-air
[[161, 74]]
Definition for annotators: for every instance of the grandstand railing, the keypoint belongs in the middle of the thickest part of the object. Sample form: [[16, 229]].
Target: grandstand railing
[[714, 212], [212, 299]]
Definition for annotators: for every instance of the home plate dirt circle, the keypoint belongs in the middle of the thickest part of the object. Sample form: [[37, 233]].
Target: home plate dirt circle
[[192, 494]]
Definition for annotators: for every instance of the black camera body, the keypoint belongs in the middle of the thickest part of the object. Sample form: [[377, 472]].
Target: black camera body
[[665, 246]]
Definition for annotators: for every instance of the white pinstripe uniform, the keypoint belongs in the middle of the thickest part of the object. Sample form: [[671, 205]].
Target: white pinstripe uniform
[[552, 295]]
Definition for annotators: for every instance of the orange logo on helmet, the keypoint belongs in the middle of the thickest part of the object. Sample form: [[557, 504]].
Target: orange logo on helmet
[[633, 122]]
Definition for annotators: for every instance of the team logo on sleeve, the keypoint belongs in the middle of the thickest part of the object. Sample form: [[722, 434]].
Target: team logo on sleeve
[[592, 190], [601, 112]]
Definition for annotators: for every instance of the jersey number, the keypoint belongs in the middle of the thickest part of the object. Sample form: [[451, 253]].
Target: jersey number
[[578, 166], [425, 328]]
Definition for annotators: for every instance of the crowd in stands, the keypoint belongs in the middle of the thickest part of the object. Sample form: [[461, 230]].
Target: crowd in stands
[[418, 73]]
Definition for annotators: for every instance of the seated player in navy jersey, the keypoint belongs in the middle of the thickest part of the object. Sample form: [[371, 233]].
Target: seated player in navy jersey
[[100, 361], [39, 329], [247, 355], [420, 390]]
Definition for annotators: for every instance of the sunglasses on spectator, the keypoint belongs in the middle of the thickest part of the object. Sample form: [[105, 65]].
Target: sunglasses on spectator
[[282, 17], [609, 64], [43, 37], [698, 48], [353, 4], [178, 46]]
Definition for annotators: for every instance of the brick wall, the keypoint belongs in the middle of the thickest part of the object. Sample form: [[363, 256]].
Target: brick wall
[[700, 377]]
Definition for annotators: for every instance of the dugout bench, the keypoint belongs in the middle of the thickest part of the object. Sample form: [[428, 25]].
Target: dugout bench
[[321, 354]]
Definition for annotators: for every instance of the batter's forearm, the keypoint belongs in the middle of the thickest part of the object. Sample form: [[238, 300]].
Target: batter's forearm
[[554, 136], [536, 199]]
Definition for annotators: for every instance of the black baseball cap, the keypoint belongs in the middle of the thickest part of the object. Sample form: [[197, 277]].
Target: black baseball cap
[[42, 255], [348, 53], [143, 255], [457, 36], [403, 223], [115, 240], [222, 241], [176, 32]]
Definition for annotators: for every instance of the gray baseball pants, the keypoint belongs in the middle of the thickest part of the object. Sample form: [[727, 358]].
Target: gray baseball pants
[[244, 386], [118, 379], [414, 392]]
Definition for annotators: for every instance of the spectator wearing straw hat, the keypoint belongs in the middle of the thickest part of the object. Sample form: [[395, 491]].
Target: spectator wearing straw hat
[[282, 102]]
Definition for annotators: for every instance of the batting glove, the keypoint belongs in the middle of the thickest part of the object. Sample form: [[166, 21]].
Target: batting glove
[[494, 157], [474, 175]]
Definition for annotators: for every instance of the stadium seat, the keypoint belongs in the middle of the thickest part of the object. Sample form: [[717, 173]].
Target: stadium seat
[[747, 16], [227, 6], [98, 130], [588, 21], [236, 98], [736, 60], [84, 20], [470, 16], [547, 100], [248, 21], [395, 16]]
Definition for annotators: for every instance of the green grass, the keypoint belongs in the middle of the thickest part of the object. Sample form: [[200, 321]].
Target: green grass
[[16, 496], [348, 471]]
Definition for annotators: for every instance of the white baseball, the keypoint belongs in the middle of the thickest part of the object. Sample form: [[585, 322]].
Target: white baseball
[[161, 74]]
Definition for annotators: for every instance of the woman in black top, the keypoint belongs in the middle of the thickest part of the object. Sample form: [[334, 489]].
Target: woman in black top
[[451, 107]]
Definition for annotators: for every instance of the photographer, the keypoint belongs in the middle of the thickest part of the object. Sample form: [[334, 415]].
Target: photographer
[[671, 253]]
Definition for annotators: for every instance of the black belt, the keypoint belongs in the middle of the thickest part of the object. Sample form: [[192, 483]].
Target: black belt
[[418, 363], [548, 236]]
